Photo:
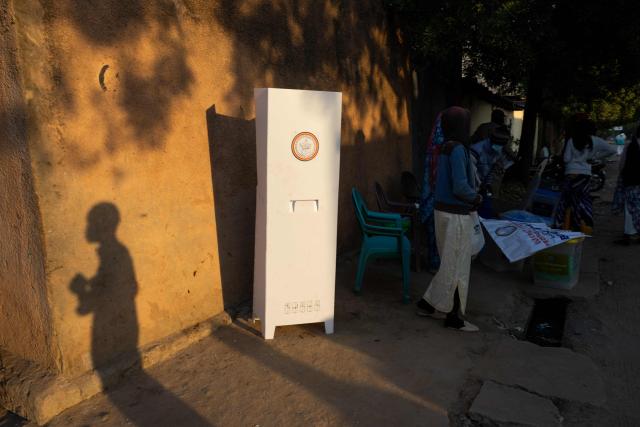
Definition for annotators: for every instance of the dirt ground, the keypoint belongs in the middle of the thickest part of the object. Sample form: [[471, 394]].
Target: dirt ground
[[606, 328], [383, 365]]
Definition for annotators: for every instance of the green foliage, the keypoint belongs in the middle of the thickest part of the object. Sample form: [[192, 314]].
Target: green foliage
[[613, 108], [487, 33], [582, 52]]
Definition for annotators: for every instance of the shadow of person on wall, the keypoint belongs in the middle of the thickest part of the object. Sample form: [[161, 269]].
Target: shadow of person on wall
[[110, 297]]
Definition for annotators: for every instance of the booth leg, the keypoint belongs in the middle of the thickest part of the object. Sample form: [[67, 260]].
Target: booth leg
[[328, 327], [268, 331]]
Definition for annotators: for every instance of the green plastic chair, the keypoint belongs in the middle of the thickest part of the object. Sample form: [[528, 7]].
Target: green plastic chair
[[383, 236]]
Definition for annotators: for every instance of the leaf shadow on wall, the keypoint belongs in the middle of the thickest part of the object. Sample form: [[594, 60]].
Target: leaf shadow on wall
[[330, 45], [147, 75], [314, 45], [232, 150], [109, 296]]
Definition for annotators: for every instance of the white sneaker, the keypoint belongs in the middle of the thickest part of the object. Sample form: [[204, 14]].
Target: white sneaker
[[467, 327]]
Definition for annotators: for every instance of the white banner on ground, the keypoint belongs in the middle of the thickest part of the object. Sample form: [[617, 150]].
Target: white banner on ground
[[519, 240]]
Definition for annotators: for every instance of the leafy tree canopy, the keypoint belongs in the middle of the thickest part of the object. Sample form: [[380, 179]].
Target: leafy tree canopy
[[582, 52]]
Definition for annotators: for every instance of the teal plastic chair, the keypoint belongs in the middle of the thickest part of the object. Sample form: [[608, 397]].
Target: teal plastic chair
[[383, 236]]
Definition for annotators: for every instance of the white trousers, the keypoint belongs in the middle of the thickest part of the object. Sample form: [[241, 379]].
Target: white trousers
[[453, 238]]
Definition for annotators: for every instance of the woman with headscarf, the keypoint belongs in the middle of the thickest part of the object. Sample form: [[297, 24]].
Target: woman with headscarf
[[455, 199], [575, 210], [427, 197], [627, 195]]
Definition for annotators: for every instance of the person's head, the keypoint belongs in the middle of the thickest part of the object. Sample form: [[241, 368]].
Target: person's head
[[544, 151], [102, 221], [497, 116], [499, 137], [455, 123], [583, 128]]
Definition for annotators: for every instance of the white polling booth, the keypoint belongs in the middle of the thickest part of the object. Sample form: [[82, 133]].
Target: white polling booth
[[298, 168]]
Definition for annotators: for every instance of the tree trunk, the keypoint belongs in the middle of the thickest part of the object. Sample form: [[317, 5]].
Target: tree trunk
[[529, 125], [417, 123], [436, 85]]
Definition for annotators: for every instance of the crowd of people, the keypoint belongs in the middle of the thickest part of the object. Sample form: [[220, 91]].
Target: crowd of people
[[460, 171]]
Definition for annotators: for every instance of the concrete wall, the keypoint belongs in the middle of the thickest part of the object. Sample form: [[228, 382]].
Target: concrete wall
[[24, 314], [516, 124], [141, 132], [480, 112]]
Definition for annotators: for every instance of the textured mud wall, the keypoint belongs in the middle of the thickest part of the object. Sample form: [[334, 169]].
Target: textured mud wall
[[141, 134], [24, 316], [323, 45]]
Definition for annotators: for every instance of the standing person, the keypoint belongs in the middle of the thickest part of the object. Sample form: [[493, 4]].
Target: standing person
[[455, 199], [491, 160], [483, 131], [575, 210], [427, 197], [620, 140], [627, 195]]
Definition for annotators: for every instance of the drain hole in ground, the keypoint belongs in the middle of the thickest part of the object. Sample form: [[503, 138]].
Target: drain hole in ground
[[546, 325]]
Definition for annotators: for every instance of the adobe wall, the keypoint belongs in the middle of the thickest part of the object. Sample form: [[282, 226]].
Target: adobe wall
[[24, 313], [141, 133]]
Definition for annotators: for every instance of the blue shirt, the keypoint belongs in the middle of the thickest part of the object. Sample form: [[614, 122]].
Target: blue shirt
[[455, 183], [485, 158]]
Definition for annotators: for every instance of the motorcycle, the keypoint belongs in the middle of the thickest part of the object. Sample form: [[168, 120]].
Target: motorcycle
[[553, 174], [598, 175]]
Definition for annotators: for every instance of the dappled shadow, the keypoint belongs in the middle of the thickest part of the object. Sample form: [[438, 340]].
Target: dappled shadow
[[147, 72], [107, 21], [319, 45], [346, 46], [109, 296], [232, 149], [147, 98]]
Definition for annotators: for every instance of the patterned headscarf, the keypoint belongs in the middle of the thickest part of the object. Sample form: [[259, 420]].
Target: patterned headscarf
[[434, 144]]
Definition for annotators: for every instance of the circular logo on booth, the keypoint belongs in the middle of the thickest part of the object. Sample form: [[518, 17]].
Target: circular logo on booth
[[305, 146]]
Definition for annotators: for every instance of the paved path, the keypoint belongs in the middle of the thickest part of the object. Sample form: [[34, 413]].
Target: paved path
[[606, 328]]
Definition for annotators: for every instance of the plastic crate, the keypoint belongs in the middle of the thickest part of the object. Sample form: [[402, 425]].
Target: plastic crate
[[558, 267], [545, 202]]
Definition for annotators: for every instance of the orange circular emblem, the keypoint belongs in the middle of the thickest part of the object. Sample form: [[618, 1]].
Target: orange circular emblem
[[305, 146]]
